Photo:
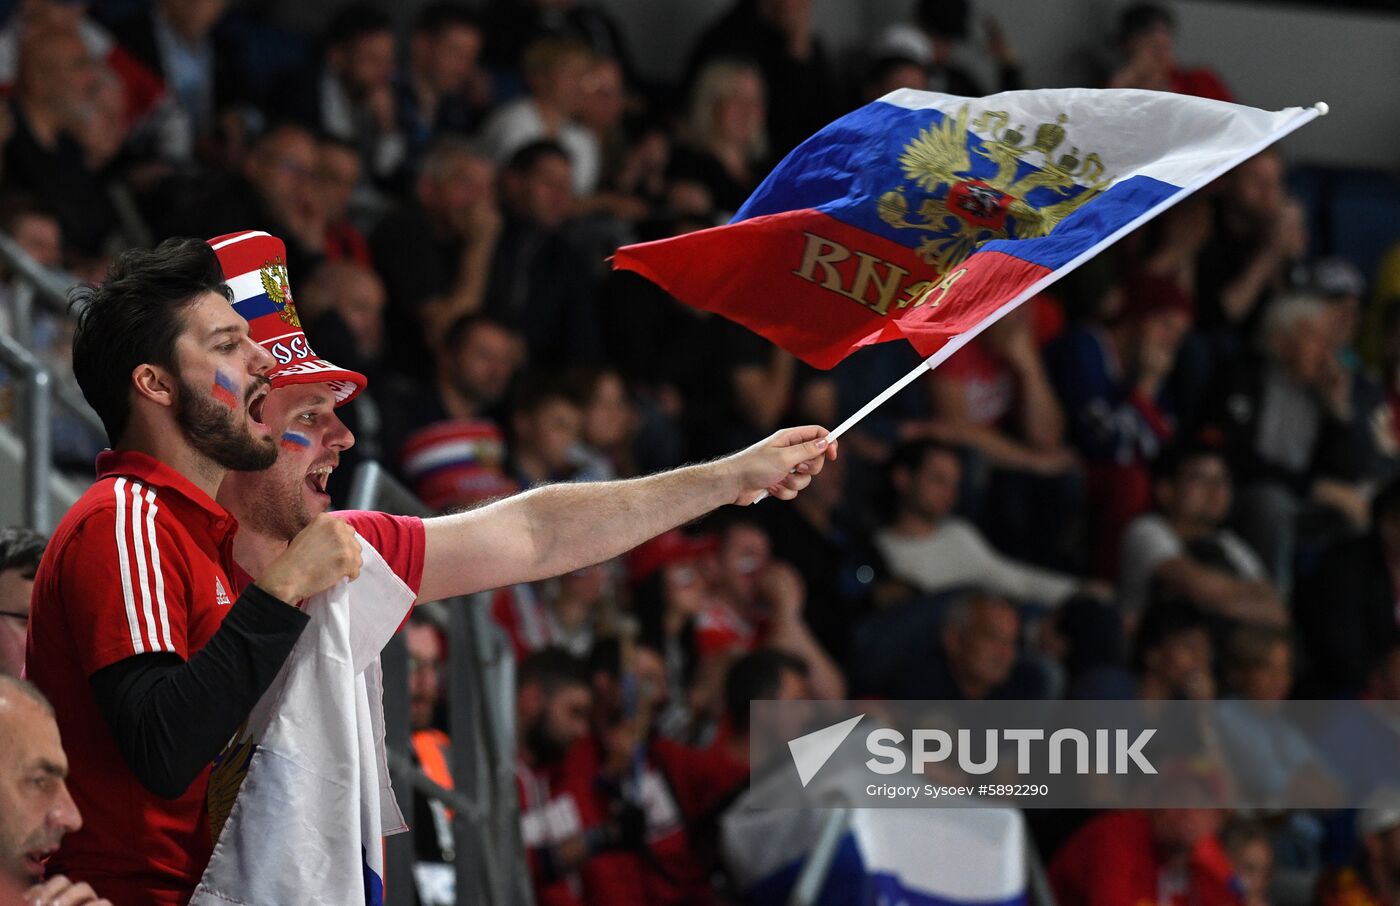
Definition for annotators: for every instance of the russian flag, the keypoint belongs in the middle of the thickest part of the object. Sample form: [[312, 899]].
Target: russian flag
[[310, 813], [920, 857], [927, 216]]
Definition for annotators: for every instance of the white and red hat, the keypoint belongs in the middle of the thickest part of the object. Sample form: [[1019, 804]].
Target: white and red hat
[[255, 268]]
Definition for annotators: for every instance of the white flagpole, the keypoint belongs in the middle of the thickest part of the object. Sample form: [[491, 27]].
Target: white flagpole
[[1307, 115]]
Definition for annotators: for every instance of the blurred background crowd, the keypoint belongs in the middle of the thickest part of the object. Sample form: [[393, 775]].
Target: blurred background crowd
[[1170, 476]]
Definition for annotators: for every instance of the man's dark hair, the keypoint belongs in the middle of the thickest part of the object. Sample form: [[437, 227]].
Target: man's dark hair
[[725, 520], [1161, 623], [912, 455], [461, 329], [947, 18], [1240, 831], [606, 655], [21, 549], [524, 161], [277, 128], [134, 318], [355, 21], [540, 388], [1173, 460], [757, 675], [1141, 18], [436, 18], [551, 669], [908, 457]]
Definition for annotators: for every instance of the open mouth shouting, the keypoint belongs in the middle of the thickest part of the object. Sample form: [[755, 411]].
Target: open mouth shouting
[[257, 397], [318, 477]]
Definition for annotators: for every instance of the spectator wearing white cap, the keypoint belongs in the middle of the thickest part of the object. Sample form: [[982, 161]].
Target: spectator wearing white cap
[[935, 38]]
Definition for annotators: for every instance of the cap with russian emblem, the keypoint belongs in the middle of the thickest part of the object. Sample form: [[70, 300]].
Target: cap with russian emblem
[[255, 268]]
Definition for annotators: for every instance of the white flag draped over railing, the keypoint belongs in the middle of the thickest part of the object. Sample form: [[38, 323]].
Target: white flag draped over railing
[[314, 806]]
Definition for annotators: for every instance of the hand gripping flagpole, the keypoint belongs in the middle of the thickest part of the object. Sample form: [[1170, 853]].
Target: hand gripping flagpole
[[957, 342]]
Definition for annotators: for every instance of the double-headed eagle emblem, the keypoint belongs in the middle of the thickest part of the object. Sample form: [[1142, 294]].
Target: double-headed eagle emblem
[[1025, 197], [279, 290]]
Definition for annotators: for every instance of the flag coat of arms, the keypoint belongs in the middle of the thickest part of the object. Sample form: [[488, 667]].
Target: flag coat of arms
[[926, 216]]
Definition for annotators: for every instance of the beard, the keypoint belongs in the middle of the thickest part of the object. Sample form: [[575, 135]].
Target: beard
[[210, 428], [274, 505]]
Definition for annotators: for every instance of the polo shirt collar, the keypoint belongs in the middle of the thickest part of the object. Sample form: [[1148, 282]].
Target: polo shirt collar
[[146, 468]]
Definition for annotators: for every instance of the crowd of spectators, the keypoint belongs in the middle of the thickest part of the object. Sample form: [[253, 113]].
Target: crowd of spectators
[[1171, 475]]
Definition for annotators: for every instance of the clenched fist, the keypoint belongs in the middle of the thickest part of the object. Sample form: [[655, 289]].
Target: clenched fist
[[321, 554]]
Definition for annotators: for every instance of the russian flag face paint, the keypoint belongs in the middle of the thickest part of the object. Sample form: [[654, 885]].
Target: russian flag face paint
[[294, 441], [224, 390]]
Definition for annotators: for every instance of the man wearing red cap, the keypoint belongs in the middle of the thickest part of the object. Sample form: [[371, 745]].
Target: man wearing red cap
[[137, 634], [545, 532]]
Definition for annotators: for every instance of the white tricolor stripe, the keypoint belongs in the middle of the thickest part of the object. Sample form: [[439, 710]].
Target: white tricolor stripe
[[138, 549], [239, 238], [450, 451], [124, 563], [1128, 128], [246, 285], [155, 569]]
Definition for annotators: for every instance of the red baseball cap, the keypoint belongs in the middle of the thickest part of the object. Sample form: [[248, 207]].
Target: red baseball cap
[[670, 547], [255, 268]]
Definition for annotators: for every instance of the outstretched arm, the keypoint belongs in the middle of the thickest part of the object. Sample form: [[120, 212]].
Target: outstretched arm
[[557, 528]]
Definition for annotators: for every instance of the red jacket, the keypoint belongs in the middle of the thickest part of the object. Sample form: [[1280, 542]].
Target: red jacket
[[1113, 861]]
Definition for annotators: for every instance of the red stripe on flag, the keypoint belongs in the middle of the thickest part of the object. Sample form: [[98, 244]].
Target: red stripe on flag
[[821, 288], [975, 289]]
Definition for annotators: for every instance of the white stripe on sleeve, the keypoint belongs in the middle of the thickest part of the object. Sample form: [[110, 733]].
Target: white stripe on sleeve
[[125, 565], [138, 547], [154, 541]]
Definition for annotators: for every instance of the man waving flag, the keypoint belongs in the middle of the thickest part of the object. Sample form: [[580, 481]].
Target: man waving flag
[[927, 216]]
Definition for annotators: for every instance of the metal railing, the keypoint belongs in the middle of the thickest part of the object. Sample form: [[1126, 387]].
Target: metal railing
[[34, 415], [34, 285], [489, 858]]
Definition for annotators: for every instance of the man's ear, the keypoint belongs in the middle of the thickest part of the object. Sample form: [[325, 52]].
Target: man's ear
[[155, 383]]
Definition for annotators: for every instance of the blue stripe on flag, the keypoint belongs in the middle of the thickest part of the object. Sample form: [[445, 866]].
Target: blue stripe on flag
[[1090, 224], [850, 883], [886, 888], [846, 167], [255, 307], [843, 884], [374, 885]]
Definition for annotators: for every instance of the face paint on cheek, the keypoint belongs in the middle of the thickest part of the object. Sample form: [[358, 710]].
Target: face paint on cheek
[[294, 441], [224, 390]]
